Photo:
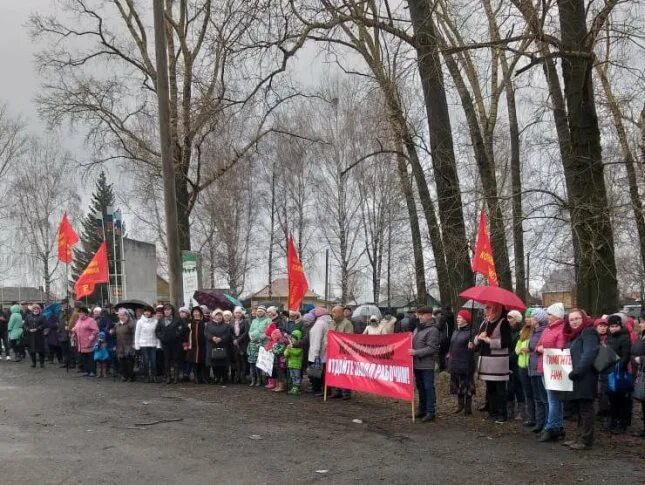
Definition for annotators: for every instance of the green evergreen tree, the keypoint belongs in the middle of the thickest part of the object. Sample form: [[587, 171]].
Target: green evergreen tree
[[92, 234]]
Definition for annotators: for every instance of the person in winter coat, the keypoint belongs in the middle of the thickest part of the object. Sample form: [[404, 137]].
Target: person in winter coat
[[172, 332], [145, 340], [522, 352], [85, 332], [553, 338], [35, 325], [540, 322], [619, 402], [638, 356], [294, 322], [308, 321], [425, 352], [583, 343], [602, 329], [124, 337], [317, 355], [294, 356], [4, 340], [461, 363], [493, 343], [514, 393], [51, 339], [372, 327], [257, 338], [63, 334], [340, 324], [240, 331], [196, 348], [15, 331], [219, 341]]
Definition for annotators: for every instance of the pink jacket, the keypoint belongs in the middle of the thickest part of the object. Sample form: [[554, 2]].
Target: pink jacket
[[552, 338], [85, 332]]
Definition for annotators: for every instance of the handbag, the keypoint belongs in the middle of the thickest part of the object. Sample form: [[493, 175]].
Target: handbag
[[315, 370], [620, 381], [219, 354], [639, 384], [605, 358]]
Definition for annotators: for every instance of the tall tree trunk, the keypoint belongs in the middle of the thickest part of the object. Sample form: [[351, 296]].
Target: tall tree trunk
[[521, 285], [184, 208], [630, 162], [460, 275], [597, 288], [272, 231], [486, 166], [417, 245]]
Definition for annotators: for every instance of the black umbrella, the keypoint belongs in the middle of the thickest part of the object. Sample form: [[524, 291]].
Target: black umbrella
[[132, 304], [213, 300]]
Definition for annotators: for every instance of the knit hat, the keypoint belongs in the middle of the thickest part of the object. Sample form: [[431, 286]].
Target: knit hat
[[227, 313], [308, 317], [272, 309], [465, 314], [261, 307], [557, 310], [600, 321], [319, 311], [101, 336], [159, 309], [614, 320], [540, 315], [516, 315], [623, 317], [184, 309], [216, 311], [373, 318], [529, 312], [97, 309], [296, 334]]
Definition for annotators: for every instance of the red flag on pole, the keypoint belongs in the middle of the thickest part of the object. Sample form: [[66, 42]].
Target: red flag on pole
[[483, 261], [67, 238], [96, 272], [298, 284]]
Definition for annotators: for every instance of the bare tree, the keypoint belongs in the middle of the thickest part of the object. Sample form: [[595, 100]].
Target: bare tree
[[42, 189], [221, 56]]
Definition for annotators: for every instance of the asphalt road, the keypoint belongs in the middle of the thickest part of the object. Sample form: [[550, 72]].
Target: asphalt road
[[58, 428]]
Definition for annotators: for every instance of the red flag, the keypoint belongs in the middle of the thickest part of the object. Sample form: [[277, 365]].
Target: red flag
[[298, 284], [67, 238], [483, 261], [96, 272]]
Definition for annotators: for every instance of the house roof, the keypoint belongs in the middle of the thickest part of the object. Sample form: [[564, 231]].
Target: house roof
[[280, 289], [23, 293]]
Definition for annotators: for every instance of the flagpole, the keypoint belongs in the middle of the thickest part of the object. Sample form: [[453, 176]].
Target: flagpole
[[105, 240], [124, 281], [116, 274]]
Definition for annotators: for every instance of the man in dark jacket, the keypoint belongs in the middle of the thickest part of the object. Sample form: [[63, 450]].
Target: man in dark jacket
[[171, 332], [425, 350], [4, 340]]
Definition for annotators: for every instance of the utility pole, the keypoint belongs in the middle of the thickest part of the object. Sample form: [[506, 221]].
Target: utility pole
[[167, 159]]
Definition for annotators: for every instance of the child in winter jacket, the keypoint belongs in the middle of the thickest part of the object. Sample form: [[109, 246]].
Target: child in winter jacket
[[276, 344], [294, 362], [101, 355]]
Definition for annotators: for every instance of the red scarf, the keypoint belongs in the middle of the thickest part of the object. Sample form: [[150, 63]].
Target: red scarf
[[571, 333]]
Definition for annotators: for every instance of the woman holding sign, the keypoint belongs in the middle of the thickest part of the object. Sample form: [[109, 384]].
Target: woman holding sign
[[583, 345], [552, 338]]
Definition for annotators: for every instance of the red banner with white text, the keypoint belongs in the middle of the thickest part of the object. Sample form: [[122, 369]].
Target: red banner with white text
[[377, 364]]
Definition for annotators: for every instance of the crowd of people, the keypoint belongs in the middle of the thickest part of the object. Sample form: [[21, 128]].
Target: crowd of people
[[219, 347]]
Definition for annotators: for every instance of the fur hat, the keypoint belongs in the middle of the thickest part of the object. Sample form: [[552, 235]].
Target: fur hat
[[465, 314], [614, 320], [557, 310], [516, 315]]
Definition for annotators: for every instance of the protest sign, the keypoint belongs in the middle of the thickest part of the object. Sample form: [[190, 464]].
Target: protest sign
[[265, 361], [557, 366], [377, 364]]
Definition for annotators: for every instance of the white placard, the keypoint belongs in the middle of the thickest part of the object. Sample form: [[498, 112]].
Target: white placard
[[265, 361], [557, 366]]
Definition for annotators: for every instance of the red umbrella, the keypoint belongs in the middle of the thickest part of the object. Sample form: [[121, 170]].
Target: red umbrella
[[494, 294]]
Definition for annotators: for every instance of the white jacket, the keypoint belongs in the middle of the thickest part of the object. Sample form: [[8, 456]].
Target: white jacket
[[317, 339], [144, 335], [372, 330]]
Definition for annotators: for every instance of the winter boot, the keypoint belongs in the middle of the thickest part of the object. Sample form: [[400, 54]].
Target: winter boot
[[270, 384], [468, 406], [280, 387], [510, 409], [252, 381], [460, 404]]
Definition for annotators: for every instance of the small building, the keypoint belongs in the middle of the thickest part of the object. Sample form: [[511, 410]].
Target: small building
[[560, 287], [10, 294], [278, 293]]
